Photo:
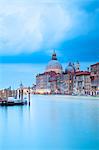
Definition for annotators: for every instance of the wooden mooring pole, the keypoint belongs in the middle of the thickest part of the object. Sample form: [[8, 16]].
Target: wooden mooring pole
[[29, 95]]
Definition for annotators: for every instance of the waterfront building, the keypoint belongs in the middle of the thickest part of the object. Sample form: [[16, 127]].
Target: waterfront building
[[54, 79], [49, 81], [68, 79], [77, 66], [42, 83], [71, 81], [25, 90], [94, 79], [82, 83], [8, 92], [33, 89]]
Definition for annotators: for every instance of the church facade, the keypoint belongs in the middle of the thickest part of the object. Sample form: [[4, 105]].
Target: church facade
[[55, 80]]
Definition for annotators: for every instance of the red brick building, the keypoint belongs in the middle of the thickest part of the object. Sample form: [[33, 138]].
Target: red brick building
[[94, 79]]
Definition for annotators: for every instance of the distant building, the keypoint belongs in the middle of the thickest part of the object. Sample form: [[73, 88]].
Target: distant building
[[33, 89], [24, 90], [47, 81], [94, 79], [54, 80], [42, 83], [82, 83], [71, 81], [77, 66], [68, 79], [8, 92]]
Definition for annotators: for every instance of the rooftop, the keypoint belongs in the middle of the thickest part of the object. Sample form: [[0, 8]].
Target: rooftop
[[82, 73], [95, 64]]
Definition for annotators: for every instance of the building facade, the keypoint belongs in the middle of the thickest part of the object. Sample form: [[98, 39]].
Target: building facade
[[82, 83], [54, 79], [94, 79], [70, 81], [47, 82], [42, 83]]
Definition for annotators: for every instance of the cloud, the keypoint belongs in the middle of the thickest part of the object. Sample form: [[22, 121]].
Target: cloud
[[26, 27]]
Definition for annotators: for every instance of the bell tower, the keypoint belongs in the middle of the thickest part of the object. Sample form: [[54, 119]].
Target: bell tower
[[77, 66], [54, 57]]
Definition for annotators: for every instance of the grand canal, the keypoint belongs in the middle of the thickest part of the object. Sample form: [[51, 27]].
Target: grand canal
[[51, 122]]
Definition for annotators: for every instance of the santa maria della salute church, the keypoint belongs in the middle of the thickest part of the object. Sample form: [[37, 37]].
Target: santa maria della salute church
[[70, 81]]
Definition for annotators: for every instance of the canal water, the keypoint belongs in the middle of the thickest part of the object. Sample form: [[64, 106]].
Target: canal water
[[51, 122]]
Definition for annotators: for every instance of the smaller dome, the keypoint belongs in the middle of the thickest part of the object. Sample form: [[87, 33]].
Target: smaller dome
[[70, 68]]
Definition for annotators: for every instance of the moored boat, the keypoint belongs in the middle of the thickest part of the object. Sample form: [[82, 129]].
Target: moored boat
[[12, 102]]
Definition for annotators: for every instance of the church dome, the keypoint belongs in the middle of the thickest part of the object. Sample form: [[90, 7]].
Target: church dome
[[70, 68], [54, 65]]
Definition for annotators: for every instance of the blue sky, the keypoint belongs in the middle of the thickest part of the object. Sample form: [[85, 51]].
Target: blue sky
[[31, 29], [12, 74]]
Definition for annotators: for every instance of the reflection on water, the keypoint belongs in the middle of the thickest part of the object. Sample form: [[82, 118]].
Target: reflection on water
[[50, 122]]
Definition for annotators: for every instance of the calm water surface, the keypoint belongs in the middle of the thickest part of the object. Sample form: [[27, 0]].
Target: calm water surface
[[51, 122]]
